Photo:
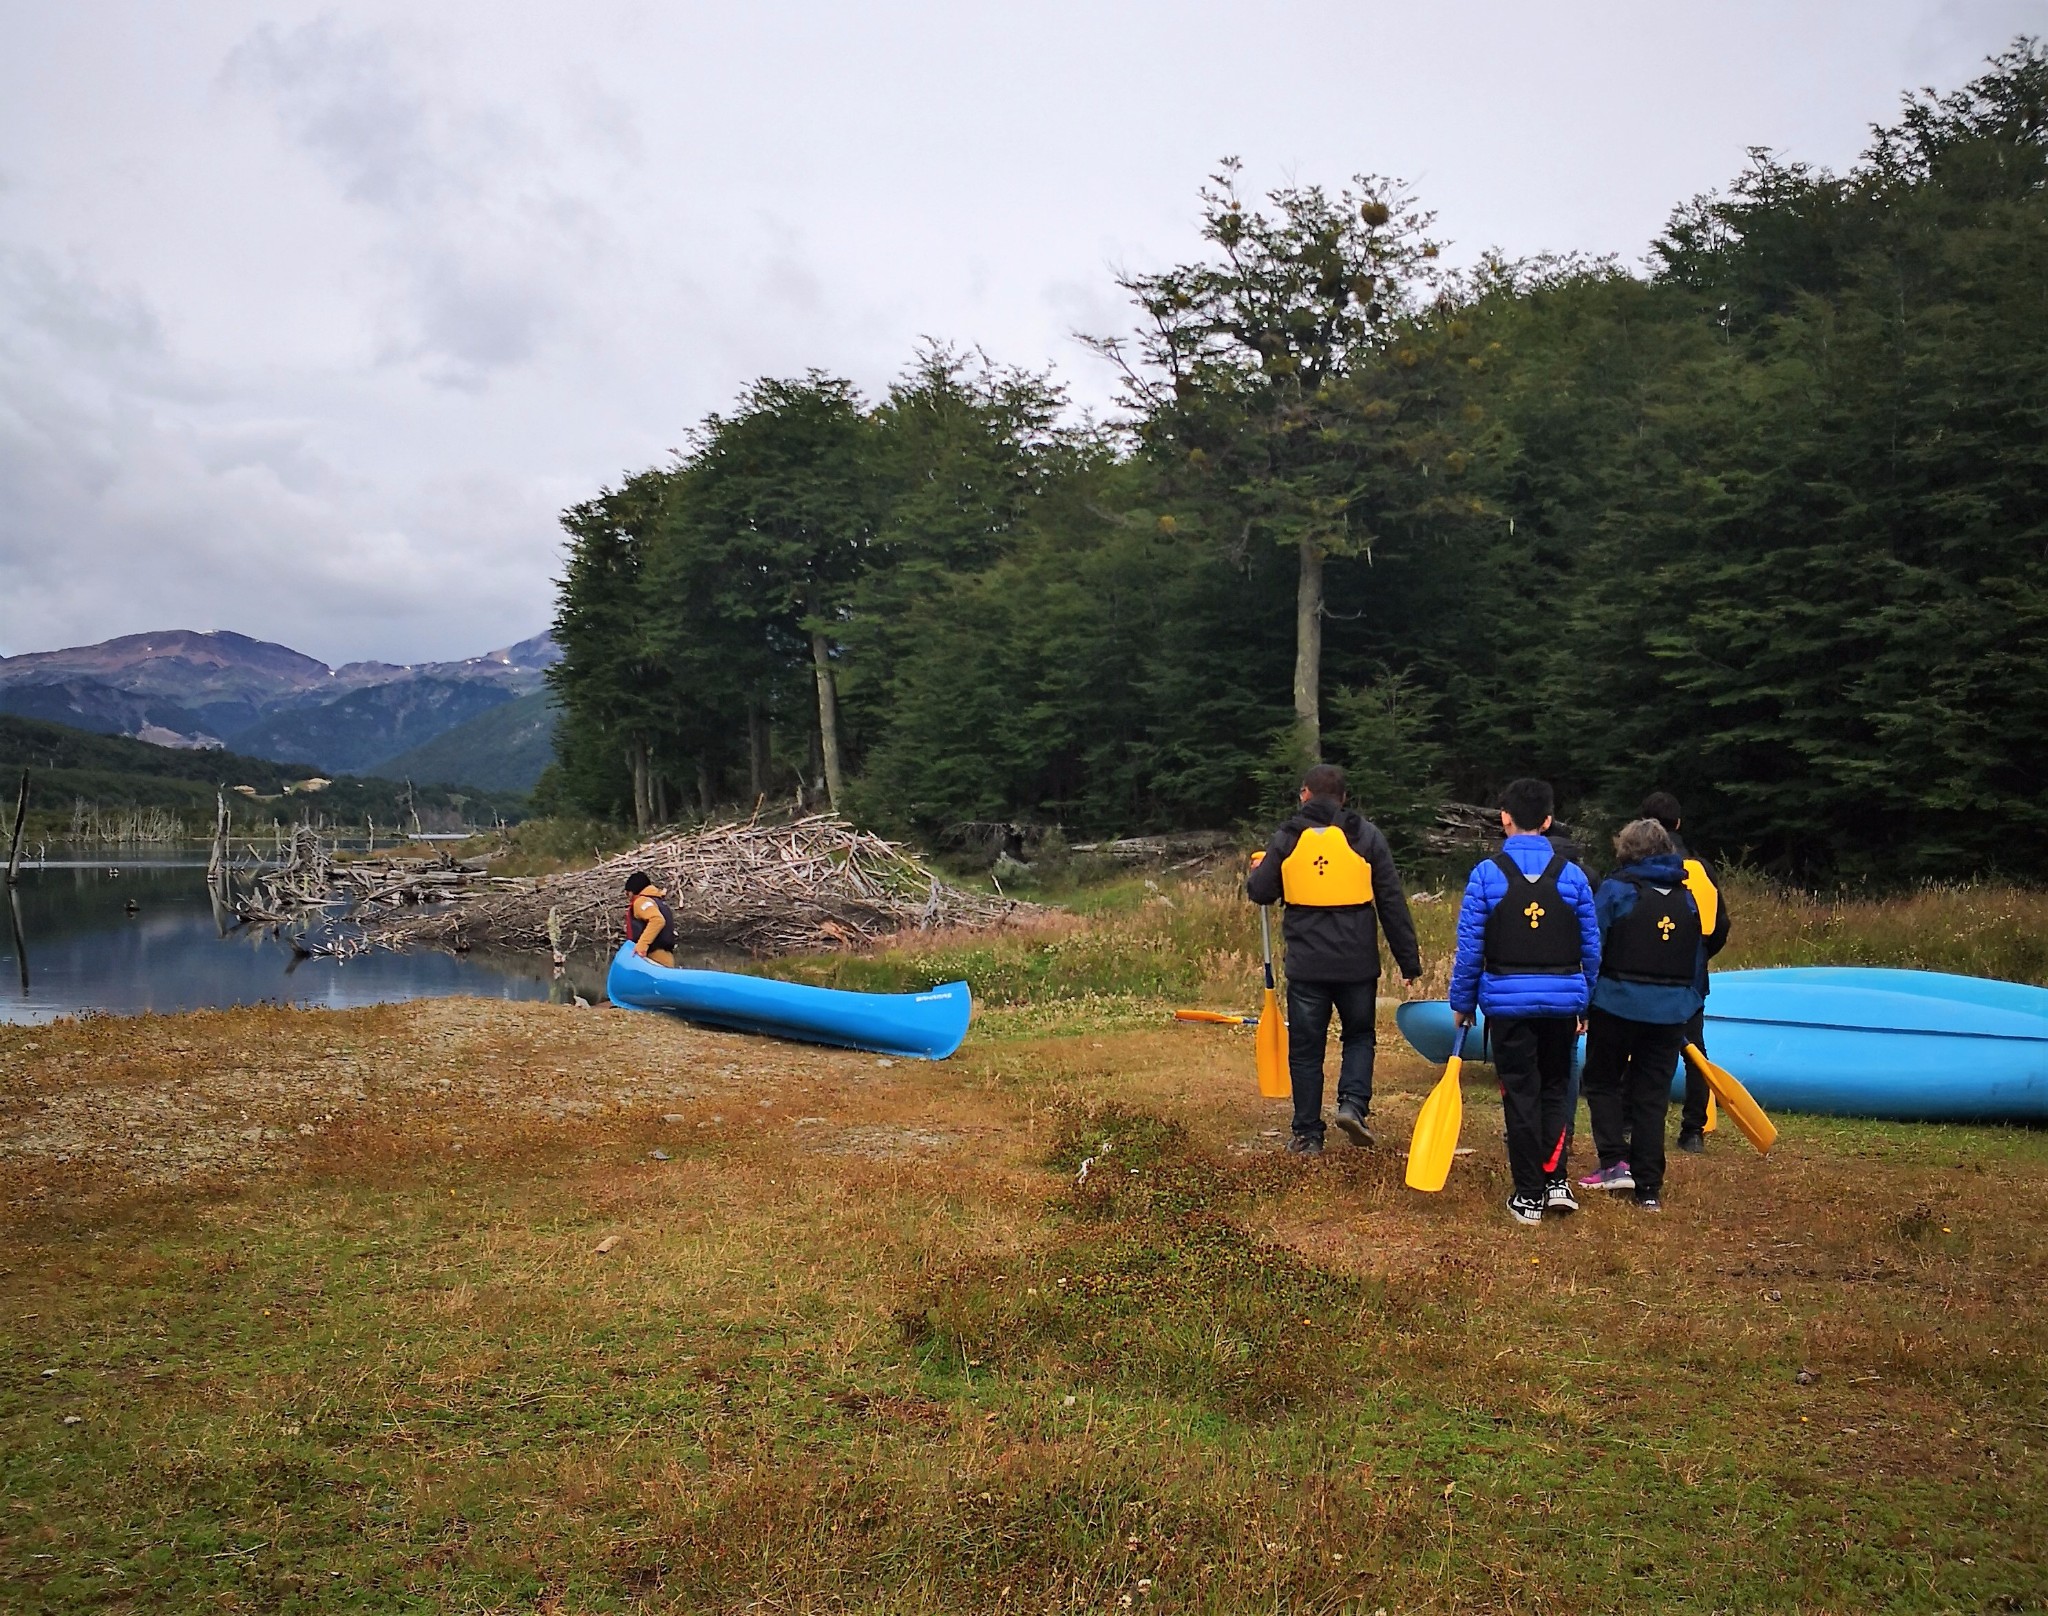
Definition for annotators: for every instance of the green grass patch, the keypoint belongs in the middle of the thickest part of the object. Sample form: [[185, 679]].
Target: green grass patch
[[431, 1395]]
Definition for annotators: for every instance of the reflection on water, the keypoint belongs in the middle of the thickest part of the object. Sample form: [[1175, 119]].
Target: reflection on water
[[127, 934]]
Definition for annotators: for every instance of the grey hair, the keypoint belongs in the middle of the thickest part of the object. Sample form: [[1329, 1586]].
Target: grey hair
[[1641, 839]]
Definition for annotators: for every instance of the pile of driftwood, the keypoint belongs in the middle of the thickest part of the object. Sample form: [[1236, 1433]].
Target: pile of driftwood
[[815, 883], [297, 880], [1465, 827], [1176, 847], [300, 884]]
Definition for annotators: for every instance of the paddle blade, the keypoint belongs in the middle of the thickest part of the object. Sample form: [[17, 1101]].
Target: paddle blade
[[1272, 1050], [1435, 1140], [1742, 1110], [1217, 1016], [1713, 1114]]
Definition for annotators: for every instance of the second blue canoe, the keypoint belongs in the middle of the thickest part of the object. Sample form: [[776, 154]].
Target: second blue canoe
[[918, 1026], [1857, 1041]]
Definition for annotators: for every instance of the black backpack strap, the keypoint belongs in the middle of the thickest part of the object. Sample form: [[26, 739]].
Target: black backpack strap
[[1513, 871]]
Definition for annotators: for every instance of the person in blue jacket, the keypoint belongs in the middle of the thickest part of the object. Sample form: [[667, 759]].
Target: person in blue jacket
[[1713, 901], [1652, 958], [1528, 952]]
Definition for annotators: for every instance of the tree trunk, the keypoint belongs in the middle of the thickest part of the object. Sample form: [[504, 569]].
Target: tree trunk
[[660, 797], [14, 842], [828, 719], [703, 788], [1308, 648], [757, 752], [643, 806]]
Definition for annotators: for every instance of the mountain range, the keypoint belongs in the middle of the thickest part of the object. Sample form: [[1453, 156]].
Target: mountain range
[[182, 688]]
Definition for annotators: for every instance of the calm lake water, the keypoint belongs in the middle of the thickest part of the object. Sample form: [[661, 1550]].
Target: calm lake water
[[69, 943]]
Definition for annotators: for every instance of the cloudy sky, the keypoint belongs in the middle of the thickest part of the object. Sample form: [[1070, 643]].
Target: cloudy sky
[[313, 317]]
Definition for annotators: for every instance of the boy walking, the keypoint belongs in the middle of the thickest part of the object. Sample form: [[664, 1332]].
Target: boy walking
[[1337, 874], [1651, 957], [1528, 951], [1713, 905]]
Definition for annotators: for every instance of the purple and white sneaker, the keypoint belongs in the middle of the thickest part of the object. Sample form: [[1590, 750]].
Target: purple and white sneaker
[[1617, 1177]]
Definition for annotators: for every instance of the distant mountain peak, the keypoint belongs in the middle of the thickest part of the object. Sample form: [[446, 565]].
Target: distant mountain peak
[[190, 687]]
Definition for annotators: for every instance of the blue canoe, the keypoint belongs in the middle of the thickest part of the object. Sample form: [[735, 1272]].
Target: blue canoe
[[1856, 1041], [918, 1026]]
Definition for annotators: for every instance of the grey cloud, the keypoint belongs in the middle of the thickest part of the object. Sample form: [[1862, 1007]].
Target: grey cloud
[[343, 98], [480, 233], [320, 355]]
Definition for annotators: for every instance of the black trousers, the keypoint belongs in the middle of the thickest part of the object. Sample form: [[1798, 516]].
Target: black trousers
[[1628, 1090], [1532, 1055], [1308, 1029], [1694, 1118]]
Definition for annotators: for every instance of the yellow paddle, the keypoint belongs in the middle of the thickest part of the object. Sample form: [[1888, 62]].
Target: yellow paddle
[[1713, 1116], [1219, 1017], [1270, 1040], [1436, 1126], [1747, 1114]]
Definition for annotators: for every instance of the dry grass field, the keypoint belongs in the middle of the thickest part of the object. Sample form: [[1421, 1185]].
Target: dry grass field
[[496, 1307]]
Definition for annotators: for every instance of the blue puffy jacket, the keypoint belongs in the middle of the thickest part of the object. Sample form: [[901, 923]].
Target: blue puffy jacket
[[1472, 984], [1646, 1001]]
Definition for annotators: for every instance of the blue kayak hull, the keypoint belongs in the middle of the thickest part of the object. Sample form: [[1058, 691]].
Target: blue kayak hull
[[917, 1026], [1855, 1041]]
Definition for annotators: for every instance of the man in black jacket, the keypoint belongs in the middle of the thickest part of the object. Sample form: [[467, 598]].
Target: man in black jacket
[[1713, 903], [1337, 875]]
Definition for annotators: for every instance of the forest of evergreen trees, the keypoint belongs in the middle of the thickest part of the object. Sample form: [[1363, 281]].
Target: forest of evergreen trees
[[1765, 524]]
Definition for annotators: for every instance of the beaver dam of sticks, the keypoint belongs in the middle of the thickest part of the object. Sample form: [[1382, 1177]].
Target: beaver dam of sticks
[[816, 883]]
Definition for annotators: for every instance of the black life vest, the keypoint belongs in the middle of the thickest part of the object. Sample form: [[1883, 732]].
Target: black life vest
[[1657, 942], [1532, 930], [666, 937]]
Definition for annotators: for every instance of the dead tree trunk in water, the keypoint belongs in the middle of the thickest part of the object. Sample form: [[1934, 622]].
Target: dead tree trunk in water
[[217, 859], [20, 821]]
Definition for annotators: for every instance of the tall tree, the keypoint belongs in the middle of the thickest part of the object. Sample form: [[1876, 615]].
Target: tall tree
[[607, 679], [784, 495], [1252, 363]]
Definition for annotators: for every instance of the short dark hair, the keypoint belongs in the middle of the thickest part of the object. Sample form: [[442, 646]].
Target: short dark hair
[[1529, 803], [1326, 780], [1662, 807], [639, 881]]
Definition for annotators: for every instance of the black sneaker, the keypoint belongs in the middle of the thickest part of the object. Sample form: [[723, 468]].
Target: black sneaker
[[1304, 1144], [1557, 1196], [1692, 1141], [1351, 1123], [1648, 1203], [1526, 1211]]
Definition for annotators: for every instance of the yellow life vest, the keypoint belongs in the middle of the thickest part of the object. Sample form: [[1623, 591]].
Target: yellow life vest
[[1325, 872], [1704, 893]]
